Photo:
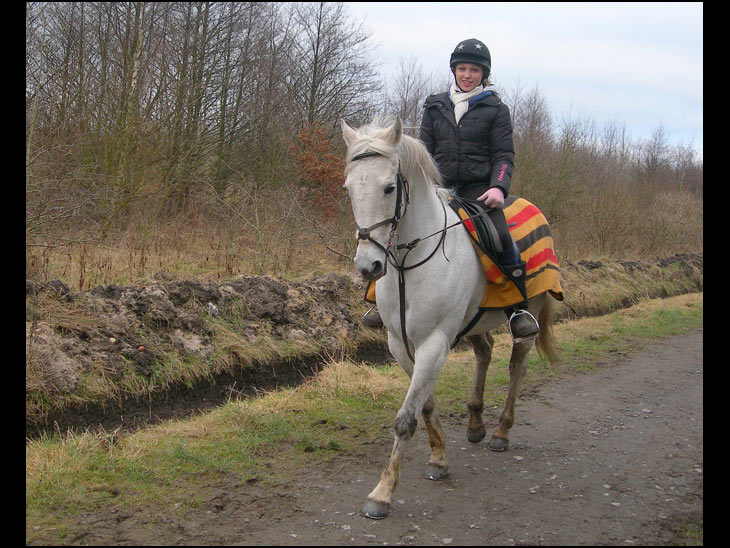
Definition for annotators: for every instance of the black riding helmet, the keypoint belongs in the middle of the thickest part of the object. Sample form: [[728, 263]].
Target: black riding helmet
[[472, 51]]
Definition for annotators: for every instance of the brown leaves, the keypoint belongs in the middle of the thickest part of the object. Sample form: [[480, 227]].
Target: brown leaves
[[320, 164]]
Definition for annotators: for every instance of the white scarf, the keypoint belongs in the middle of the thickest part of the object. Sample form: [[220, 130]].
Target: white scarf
[[461, 99]]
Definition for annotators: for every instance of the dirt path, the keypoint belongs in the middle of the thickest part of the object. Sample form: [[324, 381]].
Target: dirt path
[[611, 457]]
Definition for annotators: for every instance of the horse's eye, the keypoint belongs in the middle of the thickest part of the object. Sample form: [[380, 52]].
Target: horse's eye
[[389, 189]]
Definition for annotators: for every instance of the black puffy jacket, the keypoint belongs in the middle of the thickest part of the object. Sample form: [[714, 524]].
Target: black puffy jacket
[[479, 149]]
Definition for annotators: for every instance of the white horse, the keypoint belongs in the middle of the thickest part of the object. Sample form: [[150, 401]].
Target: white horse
[[430, 294]]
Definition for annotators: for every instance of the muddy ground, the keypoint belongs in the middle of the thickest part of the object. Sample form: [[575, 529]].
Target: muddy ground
[[609, 457]]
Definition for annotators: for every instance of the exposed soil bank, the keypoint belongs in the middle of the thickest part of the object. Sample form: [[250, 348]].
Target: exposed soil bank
[[124, 356]]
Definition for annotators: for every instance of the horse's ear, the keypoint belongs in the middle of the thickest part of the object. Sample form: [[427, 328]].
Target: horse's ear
[[348, 134], [393, 134]]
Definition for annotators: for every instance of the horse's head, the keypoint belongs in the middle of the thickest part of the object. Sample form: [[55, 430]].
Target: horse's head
[[377, 192]]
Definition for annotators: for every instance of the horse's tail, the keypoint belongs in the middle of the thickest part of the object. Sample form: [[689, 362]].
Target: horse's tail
[[545, 343]]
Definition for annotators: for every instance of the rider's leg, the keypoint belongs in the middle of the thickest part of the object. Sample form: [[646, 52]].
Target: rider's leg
[[523, 325], [372, 317]]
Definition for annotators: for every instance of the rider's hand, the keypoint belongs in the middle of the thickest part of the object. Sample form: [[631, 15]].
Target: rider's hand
[[493, 198]]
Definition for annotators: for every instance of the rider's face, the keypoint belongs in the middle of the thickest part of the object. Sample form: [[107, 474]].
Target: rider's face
[[468, 76]]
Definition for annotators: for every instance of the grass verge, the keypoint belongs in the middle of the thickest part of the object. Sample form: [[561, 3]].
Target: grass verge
[[269, 437]]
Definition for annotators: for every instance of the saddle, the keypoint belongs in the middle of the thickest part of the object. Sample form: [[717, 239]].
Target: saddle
[[530, 231], [477, 222]]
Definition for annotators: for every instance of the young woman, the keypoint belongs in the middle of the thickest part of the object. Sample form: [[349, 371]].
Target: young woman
[[468, 131]]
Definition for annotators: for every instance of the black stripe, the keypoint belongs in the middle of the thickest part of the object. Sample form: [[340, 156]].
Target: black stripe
[[537, 234], [552, 266]]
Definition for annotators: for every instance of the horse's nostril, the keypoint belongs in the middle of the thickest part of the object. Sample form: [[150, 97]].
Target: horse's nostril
[[372, 272]]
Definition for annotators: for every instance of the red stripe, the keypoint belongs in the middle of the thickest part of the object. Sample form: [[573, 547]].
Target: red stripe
[[493, 273], [469, 225], [523, 215], [541, 257]]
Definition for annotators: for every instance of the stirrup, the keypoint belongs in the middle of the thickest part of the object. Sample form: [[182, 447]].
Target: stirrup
[[517, 340], [374, 321]]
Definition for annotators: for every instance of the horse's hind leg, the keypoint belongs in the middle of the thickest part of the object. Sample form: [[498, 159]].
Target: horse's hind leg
[[482, 345], [437, 468], [517, 369]]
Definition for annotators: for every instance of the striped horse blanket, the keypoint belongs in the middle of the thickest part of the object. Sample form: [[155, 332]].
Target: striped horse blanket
[[531, 232]]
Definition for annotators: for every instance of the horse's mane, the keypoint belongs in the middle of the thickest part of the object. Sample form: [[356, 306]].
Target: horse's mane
[[415, 160]]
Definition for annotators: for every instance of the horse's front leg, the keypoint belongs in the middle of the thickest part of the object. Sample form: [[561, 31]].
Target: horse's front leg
[[437, 468], [429, 359]]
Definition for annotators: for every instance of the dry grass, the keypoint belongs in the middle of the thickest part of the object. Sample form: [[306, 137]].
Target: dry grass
[[614, 285], [57, 315], [204, 254], [204, 244], [363, 380], [628, 225]]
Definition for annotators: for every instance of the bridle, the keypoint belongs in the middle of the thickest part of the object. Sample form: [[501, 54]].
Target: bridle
[[402, 191]]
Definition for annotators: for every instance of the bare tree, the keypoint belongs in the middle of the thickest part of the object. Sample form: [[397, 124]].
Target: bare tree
[[407, 90], [331, 75], [145, 111], [655, 157]]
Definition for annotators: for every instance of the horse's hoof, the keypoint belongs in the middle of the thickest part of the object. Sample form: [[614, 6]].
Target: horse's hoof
[[435, 473], [498, 444], [374, 510], [475, 436]]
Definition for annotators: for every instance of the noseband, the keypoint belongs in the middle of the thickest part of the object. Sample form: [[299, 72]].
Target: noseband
[[401, 191]]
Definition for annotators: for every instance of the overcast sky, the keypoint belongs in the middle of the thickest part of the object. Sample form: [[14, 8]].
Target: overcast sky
[[638, 64]]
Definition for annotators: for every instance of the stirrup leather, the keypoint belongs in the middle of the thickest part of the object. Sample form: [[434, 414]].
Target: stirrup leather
[[522, 339]]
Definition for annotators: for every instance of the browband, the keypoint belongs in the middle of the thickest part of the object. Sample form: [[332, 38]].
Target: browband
[[368, 154]]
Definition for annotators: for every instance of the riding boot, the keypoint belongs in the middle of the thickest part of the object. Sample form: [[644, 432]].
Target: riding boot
[[372, 319], [522, 325]]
